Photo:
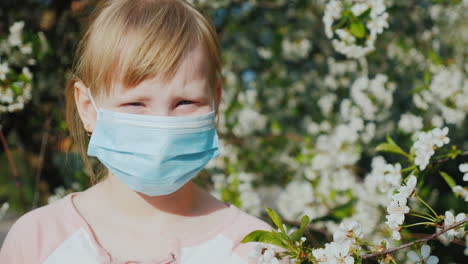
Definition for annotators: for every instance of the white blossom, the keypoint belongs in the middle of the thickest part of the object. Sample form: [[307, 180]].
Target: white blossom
[[348, 232], [17, 27], [249, 121], [462, 192], [359, 8], [27, 72], [440, 136], [410, 123], [296, 196], [393, 174], [464, 169], [26, 49], [342, 40], [296, 49], [338, 253], [4, 69], [450, 219], [426, 144], [264, 254], [4, 209], [59, 193], [320, 255], [406, 190], [398, 207], [423, 258], [15, 91]]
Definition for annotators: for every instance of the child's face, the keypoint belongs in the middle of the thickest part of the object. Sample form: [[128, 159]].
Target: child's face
[[186, 94]]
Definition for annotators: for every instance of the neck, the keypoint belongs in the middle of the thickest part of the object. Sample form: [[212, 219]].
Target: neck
[[128, 203]]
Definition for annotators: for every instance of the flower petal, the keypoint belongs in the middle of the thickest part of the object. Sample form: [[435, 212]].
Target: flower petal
[[432, 260], [425, 251], [413, 256]]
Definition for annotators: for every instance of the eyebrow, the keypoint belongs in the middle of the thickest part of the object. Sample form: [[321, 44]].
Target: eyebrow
[[200, 84]]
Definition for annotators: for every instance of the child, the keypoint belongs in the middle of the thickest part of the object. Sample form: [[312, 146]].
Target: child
[[145, 87]]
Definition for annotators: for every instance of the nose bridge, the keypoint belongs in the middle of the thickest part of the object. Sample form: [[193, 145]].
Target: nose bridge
[[163, 94], [160, 105]]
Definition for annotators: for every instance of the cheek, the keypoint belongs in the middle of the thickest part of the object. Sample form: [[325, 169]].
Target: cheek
[[192, 110], [132, 109]]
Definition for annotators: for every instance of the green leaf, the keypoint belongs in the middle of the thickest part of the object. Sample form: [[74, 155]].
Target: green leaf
[[344, 210], [304, 221], [296, 235], [357, 29], [427, 77], [276, 219], [448, 179], [391, 146], [263, 237], [16, 89]]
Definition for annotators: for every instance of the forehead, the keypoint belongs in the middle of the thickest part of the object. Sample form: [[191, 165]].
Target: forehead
[[129, 42], [190, 75]]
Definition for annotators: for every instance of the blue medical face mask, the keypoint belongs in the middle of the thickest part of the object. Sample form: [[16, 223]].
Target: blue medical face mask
[[154, 155]]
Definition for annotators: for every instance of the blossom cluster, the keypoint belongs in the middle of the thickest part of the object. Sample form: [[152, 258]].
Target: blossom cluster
[[353, 25], [445, 97], [426, 144], [424, 257], [336, 150], [239, 186], [61, 192], [340, 250], [398, 207], [296, 49], [451, 219], [355, 104], [15, 76]]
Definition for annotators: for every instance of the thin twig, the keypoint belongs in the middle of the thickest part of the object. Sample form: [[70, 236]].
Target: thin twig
[[455, 241], [14, 171], [310, 228], [446, 159], [45, 137], [391, 250]]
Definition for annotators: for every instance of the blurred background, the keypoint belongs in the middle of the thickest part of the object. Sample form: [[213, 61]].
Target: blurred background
[[308, 93]]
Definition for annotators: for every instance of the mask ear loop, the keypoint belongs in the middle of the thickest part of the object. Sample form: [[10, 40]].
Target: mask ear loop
[[92, 100], [94, 105], [213, 106]]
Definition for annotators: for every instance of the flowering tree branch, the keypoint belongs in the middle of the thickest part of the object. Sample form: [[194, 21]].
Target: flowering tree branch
[[446, 159], [391, 250], [45, 137], [14, 171]]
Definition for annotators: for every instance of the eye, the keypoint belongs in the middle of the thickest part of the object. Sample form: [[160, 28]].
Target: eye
[[134, 104], [184, 102]]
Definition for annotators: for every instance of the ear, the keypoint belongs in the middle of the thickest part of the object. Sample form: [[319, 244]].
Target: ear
[[219, 92], [84, 105]]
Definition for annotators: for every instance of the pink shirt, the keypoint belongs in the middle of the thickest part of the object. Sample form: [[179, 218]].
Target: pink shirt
[[57, 233]]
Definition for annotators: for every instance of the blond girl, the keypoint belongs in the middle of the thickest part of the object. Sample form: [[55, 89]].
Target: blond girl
[[145, 88]]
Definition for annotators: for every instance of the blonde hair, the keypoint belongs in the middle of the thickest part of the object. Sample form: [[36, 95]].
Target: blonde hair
[[133, 40]]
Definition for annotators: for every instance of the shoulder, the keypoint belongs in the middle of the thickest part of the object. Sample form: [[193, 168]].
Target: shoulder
[[36, 232], [236, 222], [51, 216], [240, 226], [244, 223]]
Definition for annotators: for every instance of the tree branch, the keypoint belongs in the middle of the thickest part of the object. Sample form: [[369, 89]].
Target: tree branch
[[446, 159], [45, 137], [14, 171], [391, 250]]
